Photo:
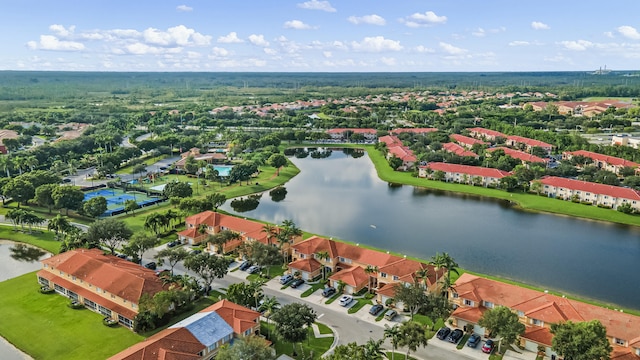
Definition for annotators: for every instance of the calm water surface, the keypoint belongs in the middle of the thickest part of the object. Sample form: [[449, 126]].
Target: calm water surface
[[342, 197]]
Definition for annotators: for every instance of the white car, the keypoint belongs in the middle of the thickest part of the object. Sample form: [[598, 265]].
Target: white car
[[346, 300]]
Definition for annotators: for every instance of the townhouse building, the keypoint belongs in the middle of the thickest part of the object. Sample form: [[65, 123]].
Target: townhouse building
[[601, 161], [198, 337], [526, 158], [589, 192], [422, 131], [458, 150], [464, 174], [527, 144], [343, 134], [103, 283], [472, 296], [397, 149], [466, 141], [485, 134]]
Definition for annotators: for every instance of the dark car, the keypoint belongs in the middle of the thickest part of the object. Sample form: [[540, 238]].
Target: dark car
[[122, 256], [195, 251], [443, 332], [150, 265], [487, 347], [375, 309], [295, 283], [326, 292], [171, 244], [473, 341], [455, 336], [245, 265]]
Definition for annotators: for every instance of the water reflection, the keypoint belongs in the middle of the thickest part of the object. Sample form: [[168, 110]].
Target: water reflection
[[22, 252], [342, 197], [278, 194], [249, 203]]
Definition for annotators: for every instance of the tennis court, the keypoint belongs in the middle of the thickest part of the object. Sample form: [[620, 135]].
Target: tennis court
[[116, 199]]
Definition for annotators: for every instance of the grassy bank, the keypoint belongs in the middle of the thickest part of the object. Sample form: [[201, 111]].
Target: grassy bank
[[42, 239]]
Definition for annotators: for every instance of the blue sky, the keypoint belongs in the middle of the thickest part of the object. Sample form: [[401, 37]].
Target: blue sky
[[320, 36]]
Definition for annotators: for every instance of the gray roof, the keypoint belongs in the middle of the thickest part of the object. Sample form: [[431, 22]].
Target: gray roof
[[208, 328]]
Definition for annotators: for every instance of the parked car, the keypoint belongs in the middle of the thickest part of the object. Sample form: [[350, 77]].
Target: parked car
[[473, 341], [285, 278], [455, 336], [245, 265], [487, 347], [375, 309], [346, 300], [171, 244], [442, 333], [150, 265], [253, 269], [122, 256], [195, 251], [326, 292], [295, 283], [390, 314]]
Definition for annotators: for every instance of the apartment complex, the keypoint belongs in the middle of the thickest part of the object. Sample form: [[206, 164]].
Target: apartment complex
[[465, 174], [589, 192]]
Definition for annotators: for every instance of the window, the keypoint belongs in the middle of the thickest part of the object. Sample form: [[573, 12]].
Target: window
[[520, 313], [124, 321], [383, 275], [468, 302], [113, 296], [97, 289], [73, 278], [46, 266], [395, 277], [488, 304], [537, 322], [133, 306], [455, 295], [619, 342]]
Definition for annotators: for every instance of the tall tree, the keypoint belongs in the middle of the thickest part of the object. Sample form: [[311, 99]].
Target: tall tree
[[172, 255], [412, 295], [412, 335], [59, 225], [216, 200], [323, 256], [44, 195], [370, 270], [19, 190], [292, 321], [277, 161], [139, 244], [269, 306], [581, 340], [249, 347], [501, 321], [208, 267], [393, 334], [95, 206], [68, 198], [110, 232]]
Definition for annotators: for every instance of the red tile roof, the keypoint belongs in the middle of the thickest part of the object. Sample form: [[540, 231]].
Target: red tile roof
[[458, 150], [611, 160], [413, 130], [247, 228], [309, 265], [110, 273], [355, 131], [466, 140], [520, 155], [238, 317], [403, 153], [169, 344], [469, 170], [487, 132], [390, 140], [472, 314], [529, 142], [594, 188], [539, 334], [353, 276], [316, 244], [546, 307]]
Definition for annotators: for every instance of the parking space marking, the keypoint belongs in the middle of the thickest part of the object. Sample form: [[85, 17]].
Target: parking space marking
[[319, 316]]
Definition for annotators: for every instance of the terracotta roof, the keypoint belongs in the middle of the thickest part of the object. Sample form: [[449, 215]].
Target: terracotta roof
[[611, 160], [387, 290], [466, 140], [414, 130], [458, 150], [247, 228], [355, 131], [306, 265], [402, 152], [472, 314], [467, 169], [487, 132], [622, 353], [116, 276], [390, 140], [238, 317], [548, 308], [404, 267], [354, 276], [527, 141], [172, 343], [316, 244], [538, 334], [594, 188], [520, 155]]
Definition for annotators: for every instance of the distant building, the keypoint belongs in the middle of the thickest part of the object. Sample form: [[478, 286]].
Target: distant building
[[520, 155], [601, 161], [464, 174], [589, 192]]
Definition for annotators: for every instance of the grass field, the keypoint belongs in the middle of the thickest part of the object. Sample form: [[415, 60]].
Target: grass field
[[42, 239], [315, 346]]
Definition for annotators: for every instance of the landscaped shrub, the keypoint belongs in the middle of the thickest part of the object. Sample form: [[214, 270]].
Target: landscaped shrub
[[109, 322], [46, 290], [74, 304]]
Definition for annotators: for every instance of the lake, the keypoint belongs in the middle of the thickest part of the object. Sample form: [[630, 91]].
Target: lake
[[341, 196]]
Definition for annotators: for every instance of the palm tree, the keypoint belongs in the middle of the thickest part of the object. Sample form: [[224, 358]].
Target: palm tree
[[450, 264], [287, 232], [370, 269], [373, 349], [270, 305], [31, 161], [437, 262], [393, 333], [423, 274], [6, 163], [323, 256], [271, 231], [59, 224], [412, 336]]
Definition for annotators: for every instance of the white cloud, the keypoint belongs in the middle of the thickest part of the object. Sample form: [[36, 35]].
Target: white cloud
[[317, 5], [270, 51], [376, 44], [327, 54], [609, 34], [372, 19], [50, 42], [339, 45], [139, 48], [125, 33], [296, 24], [423, 49], [579, 45], [629, 32], [258, 40], [61, 31], [246, 63], [193, 55], [479, 32], [429, 18], [230, 38], [537, 25], [519, 43], [450, 49], [219, 52], [388, 61], [184, 8], [177, 35]]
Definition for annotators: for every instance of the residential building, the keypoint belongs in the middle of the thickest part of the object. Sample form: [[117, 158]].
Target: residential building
[[209, 157], [356, 266], [527, 144], [526, 158], [343, 134], [621, 140], [472, 296], [422, 131], [485, 134], [458, 150], [105, 284], [466, 141], [601, 161], [198, 337], [199, 226], [397, 149], [465, 174], [589, 192]]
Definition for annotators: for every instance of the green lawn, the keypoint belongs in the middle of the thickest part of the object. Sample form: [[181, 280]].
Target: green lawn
[[42, 239], [147, 161], [312, 289], [398, 356], [45, 328], [360, 303], [315, 346]]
